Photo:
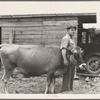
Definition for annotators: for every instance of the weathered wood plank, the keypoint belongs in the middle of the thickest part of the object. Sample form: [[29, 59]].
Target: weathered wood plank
[[52, 36], [32, 28], [67, 23], [4, 41], [23, 28], [22, 20], [27, 41], [54, 32], [21, 24], [31, 19], [29, 32], [55, 28], [5, 36], [28, 36], [57, 18], [54, 40], [22, 32], [24, 36]]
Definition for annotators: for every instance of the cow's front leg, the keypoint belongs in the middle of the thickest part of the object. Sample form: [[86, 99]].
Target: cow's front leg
[[53, 86], [47, 89], [6, 88], [49, 79]]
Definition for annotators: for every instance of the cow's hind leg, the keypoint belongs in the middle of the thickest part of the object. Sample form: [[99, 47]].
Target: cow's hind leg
[[8, 69], [5, 78]]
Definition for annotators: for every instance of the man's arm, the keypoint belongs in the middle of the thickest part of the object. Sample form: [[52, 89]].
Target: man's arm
[[64, 46]]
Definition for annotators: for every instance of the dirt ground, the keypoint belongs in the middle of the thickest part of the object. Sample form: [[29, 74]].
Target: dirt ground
[[36, 85]]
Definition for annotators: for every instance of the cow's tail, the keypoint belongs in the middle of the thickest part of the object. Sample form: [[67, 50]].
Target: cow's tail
[[0, 45]]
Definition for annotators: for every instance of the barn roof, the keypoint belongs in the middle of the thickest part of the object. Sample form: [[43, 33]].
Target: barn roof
[[83, 17]]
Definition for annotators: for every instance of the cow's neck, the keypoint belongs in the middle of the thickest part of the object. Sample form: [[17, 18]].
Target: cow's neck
[[72, 60]]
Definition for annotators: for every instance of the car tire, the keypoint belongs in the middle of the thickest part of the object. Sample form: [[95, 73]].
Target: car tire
[[93, 65]]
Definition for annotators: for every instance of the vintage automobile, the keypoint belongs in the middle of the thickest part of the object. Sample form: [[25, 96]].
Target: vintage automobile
[[89, 41]]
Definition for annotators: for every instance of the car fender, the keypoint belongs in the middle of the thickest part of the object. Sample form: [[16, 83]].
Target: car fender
[[90, 55]]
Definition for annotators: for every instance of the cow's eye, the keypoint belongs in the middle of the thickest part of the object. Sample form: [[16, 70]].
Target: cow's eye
[[76, 55]]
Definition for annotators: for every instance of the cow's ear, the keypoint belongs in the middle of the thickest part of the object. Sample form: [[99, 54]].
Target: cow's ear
[[79, 47]]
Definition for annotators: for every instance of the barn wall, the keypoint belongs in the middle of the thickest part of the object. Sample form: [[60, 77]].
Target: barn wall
[[49, 30]]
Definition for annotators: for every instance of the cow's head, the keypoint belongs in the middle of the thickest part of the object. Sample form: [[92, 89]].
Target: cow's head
[[77, 58]]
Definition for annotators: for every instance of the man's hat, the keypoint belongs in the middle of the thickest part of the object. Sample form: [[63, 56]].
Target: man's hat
[[70, 27]]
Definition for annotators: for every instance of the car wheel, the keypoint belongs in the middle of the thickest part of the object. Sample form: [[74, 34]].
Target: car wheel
[[93, 65]]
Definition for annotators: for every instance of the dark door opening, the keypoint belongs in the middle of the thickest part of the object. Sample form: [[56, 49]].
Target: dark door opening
[[0, 35]]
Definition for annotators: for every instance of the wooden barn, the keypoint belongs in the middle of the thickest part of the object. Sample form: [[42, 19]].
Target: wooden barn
[[40, 28]]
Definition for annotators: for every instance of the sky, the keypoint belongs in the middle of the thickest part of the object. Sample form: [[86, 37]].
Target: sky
[[47, 7]]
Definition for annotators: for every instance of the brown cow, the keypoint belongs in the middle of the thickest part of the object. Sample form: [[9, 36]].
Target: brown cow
[[36, 60]]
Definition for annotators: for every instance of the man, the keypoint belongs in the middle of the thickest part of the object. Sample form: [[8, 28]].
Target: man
[[68, 43]]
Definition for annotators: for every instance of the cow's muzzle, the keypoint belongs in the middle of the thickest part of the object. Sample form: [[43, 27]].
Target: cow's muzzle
[[82, 66]]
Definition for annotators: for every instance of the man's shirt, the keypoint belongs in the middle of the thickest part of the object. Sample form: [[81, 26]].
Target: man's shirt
[[67, 42]]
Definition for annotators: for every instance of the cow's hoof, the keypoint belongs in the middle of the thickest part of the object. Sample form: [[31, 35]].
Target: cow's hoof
[[16, 92], [76, 77], [87, 79]]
